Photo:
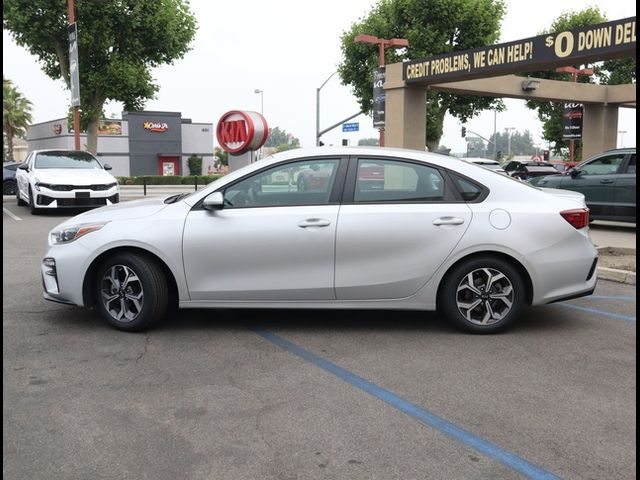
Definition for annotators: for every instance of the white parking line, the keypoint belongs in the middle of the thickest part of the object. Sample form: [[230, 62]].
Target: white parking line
[[11, 214]]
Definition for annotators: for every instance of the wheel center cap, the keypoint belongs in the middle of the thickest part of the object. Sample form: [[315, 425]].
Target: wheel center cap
[[484, 296]]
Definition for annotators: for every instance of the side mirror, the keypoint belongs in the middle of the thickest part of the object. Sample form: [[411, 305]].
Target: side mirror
[[574, 172], [107, 166], [215, 201], [24, 167]]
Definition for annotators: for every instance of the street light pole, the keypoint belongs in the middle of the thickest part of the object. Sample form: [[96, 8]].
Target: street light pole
[[622, 132], [508, 130], [318, 108], [257, 90], [383, 44]]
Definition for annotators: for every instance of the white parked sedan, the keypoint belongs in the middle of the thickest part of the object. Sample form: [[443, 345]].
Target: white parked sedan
[[439, 233], [51, 179]]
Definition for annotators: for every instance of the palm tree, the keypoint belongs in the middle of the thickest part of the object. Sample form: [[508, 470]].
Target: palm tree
[[16, 114]]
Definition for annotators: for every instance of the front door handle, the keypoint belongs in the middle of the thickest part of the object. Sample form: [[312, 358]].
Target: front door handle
[[314, 222], [606, 181], [448, 221]]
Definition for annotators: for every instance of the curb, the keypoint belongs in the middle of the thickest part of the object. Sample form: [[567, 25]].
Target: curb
[[615, 275]]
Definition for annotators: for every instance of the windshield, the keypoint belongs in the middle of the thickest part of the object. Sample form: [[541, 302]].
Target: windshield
[[77, 160]]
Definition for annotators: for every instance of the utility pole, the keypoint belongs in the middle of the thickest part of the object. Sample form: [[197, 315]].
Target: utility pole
[[508, 130], [574, 78], [71, 18], [383, 44]]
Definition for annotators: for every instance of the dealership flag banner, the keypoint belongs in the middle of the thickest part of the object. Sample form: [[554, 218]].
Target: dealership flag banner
[[572, 121]]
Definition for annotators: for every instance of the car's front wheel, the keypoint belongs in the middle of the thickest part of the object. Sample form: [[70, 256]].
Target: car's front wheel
[[32, 206], [131, 292], [19, 201], [482, 295]]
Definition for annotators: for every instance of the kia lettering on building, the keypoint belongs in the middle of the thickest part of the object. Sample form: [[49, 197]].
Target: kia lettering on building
[[155, 126]]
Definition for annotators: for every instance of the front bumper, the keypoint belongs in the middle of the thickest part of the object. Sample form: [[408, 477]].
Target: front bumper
[[85, 198]]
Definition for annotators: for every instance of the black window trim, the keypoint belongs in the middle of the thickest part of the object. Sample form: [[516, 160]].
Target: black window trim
[[334, 196], [451, 193]]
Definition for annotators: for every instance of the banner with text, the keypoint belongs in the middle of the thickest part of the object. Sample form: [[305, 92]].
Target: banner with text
[[378, 97], [572, 121], [595, 42]]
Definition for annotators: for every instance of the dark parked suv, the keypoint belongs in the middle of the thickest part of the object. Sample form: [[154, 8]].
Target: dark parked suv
[[608, 182]]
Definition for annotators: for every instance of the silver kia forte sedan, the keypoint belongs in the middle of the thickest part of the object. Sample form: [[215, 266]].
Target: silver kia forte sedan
[[431, 233]]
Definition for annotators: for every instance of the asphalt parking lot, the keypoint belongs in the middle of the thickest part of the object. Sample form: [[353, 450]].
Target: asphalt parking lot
[[309, 394]]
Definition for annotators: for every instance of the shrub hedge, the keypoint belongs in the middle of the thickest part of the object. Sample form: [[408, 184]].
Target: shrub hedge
[[168, 180]]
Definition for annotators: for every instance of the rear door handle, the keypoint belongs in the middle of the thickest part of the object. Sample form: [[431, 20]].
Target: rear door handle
[[606, 181], [448, 221], [314, 222]]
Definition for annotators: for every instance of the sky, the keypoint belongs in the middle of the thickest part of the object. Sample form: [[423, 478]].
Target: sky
[[287, 49]]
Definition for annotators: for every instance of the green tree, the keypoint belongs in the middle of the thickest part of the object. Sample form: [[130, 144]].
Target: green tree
[[432, 27], [521, 143], [119, 42], [222, 156], [609, 72], [281, 140], [195, 165], [16, 115]]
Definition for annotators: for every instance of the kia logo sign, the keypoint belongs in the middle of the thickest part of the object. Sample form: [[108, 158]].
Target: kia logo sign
[[57, 128], [240, 131], [155, 126]]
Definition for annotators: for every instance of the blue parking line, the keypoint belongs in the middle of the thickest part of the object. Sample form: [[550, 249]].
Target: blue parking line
[[609, 297], [458, 434], [617, 316]]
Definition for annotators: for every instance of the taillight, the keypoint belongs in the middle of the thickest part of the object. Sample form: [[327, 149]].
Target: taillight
[[578, 218]]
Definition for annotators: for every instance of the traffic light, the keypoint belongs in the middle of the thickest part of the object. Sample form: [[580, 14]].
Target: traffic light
[[464, 132], [546, 155]]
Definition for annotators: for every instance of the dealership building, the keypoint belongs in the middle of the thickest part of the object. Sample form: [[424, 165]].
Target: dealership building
[[140, 143]]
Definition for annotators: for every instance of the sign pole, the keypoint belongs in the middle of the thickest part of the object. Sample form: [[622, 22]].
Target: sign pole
[[76, 108]]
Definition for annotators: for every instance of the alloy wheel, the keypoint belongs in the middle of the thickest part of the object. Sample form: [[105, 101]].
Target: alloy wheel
[[484, 296], [122, 293]]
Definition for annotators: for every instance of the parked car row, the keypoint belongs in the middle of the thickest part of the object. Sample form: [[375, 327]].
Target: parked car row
[[608, 182]]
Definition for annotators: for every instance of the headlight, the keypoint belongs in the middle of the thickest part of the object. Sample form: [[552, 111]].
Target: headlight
[[39, 184], [69, 234], [111, 185]]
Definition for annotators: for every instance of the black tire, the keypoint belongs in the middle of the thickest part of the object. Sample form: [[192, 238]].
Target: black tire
[[495, 308], [32, 207], [137, 304], [9, 187], [19, 201]]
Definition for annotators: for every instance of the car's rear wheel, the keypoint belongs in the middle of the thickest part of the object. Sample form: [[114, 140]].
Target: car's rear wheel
[[482, 295], [131, 292], [9, 187]]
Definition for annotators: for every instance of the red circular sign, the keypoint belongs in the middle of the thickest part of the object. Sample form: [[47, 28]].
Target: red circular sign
[[536, 158], [239, 131]]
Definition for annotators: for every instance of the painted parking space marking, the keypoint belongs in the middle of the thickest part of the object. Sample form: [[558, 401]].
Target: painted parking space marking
[[617, 316], [11, 214], [610, 297], [425, 417]]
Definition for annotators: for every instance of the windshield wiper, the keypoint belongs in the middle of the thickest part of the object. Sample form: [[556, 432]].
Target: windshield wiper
[[175, 198]]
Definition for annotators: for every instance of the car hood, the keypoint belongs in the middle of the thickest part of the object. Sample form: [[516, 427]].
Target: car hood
[[73, 176], [119, 211], [566, 194]]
